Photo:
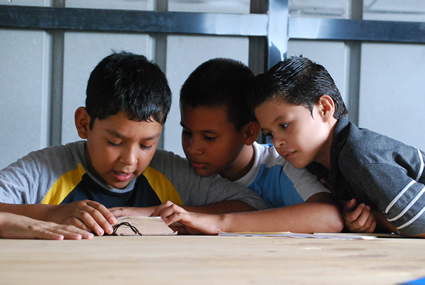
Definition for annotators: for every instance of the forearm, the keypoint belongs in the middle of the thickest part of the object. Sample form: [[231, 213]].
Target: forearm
[[301, 218], [221, 207], [35, 211]]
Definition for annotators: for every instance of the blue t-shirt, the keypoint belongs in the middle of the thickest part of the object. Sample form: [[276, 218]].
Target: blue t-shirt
[[277, 181]]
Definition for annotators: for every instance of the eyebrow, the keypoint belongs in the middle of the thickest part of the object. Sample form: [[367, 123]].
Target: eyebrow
[[202, 131], [118, 135], [278, 118]]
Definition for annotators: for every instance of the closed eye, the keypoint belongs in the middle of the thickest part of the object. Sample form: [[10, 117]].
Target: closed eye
[[208, 138], [114, 144], [146, 147]]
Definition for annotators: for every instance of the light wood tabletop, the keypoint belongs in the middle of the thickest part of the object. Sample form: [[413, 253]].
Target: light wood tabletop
[[211, 260]]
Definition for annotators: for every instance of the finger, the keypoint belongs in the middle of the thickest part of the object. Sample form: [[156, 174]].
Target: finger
[[364, 216], [349, 205], [100, 217], [370, 223], [166, 209], [351, 217], [364, 221], [175, 217], [95, 222], [103, 211], [165, 213], [47, 230], [47, 234], [68, 235], [372, 226], [77, 223], [158, 210], [71, 232], [74, 235]]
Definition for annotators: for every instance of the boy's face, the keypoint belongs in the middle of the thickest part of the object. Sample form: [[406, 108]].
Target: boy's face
[[297, 135], [210, 142], [120, 149]]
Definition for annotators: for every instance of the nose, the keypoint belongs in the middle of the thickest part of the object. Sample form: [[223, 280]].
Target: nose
[[278, 141], [129, 155], [193, 146]]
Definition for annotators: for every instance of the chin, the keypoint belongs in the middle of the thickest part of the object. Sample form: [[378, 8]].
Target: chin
[[298, 165], [203, 172]]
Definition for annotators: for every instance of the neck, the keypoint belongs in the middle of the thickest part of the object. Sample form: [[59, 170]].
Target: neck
[[324, 156], [241, 165]]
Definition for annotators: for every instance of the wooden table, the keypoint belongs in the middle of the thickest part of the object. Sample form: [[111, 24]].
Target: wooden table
[[211, 260]]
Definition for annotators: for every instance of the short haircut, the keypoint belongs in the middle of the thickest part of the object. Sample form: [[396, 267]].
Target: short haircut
[[298, 81], [220, 82], [128, 83]]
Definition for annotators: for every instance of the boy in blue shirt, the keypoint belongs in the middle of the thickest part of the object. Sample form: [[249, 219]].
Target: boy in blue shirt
[[118, 165], [219, 136], [299, 106]]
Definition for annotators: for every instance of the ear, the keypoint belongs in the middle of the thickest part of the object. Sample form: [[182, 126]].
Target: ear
[[326, 107], [250, 132], [82, 122]]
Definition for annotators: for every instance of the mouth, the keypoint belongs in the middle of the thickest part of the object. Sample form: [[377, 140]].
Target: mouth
[[198, 165], [122, 176], [289, 155]]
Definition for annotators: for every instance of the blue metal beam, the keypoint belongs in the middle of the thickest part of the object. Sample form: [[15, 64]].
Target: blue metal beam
[[356, 30], [47, 18]]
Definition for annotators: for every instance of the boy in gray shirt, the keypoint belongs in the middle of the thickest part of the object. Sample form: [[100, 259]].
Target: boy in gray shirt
[[127, 103]]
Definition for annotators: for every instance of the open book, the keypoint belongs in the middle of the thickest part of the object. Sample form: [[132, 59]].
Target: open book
[[141, 226]]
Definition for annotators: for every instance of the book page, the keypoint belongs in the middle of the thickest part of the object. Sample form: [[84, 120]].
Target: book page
[[141, 225]]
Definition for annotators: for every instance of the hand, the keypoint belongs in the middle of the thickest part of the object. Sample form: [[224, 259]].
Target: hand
[[16, 226], [132, 211], [358, 219], [186, 222], [86, 215]]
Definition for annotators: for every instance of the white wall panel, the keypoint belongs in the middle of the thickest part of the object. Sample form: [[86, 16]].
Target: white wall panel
[[392, 97], [27, 2], [391, 87], [211, 6], [111, 4], [24, 91]]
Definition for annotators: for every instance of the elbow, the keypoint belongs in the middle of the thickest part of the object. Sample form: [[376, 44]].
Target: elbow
[[337, 226], [334, 222]]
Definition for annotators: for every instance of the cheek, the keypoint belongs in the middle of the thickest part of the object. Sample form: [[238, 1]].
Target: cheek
[[185, 142], [144, 159]]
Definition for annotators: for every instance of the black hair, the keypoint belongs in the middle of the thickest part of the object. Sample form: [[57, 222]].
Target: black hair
[[128, 83], [220, 82], [298, 81]]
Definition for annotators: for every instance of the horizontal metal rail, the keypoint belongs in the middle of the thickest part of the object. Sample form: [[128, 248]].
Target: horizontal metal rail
[[356, 30], [76, 19]]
